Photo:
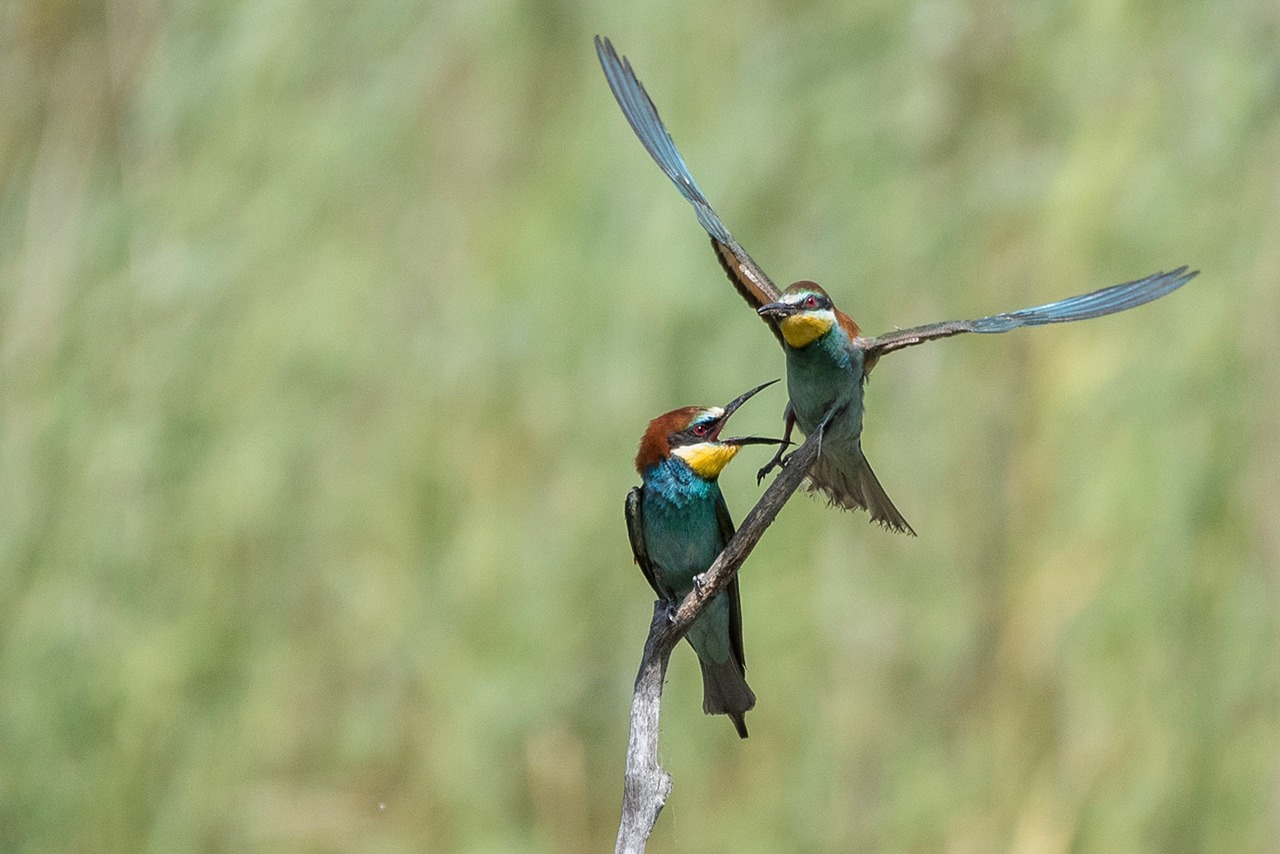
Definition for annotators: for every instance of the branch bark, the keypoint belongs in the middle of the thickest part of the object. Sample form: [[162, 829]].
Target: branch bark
[[647, 784]]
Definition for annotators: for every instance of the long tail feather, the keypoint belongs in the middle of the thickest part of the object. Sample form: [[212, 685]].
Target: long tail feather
[[859, 489], [725, 692]]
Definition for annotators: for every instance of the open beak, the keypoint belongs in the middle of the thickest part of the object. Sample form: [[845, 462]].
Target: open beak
[[732, 407], [751, 440], [776, 310]]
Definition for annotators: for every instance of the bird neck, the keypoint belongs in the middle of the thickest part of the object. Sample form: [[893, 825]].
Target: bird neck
[[801, 330], [676, 479], [827, 360], [707, 459]]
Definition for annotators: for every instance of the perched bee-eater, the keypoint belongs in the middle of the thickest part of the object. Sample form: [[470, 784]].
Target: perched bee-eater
[[678, 524], [828, 357]]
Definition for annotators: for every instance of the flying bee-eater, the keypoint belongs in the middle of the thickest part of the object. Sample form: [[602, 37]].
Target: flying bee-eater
[[828, 357], [678, 524]]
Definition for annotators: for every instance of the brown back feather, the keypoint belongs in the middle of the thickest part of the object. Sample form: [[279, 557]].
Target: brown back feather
[[846, 322]]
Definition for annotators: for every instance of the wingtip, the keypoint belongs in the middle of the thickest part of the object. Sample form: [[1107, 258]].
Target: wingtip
[[608, 54], [1182, 274], [1174, 279]]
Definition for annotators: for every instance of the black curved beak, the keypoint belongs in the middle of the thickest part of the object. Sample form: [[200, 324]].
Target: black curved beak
[[776, 310], [752, 440], [732, 407]]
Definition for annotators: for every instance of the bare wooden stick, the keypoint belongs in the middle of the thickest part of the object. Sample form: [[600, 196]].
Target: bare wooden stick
[[647, 784]]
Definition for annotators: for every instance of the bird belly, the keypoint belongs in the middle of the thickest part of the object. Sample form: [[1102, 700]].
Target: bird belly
[[817, 384], [709, 635], [682, 539]]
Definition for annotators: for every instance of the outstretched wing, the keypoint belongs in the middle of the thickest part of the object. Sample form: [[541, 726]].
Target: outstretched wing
[[635, 532], [1097, 304], [735, 598], [756, 288]]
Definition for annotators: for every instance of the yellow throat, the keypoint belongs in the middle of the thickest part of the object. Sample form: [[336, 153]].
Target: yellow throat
[[801, 330], [707, 459]]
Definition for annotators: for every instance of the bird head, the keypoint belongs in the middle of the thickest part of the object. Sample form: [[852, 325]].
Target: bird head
[[804, 314], [692, 433]]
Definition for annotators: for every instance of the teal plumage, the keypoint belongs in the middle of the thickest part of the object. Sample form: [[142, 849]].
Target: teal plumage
[[685, 524], [828, 362], [678, 523], [826, 375]]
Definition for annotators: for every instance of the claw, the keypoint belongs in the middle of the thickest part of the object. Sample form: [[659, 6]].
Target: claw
[[772, 464], [699, 582]]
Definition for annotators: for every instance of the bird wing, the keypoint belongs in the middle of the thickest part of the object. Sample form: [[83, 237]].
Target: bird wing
[[635, 532], [1097, 304], [735, 598], [745, 274]]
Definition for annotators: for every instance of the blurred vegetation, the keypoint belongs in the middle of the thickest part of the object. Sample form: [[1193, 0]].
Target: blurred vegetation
[[327, 333]]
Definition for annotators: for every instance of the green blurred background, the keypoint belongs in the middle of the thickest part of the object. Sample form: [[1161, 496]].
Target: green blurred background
[[328, 332]]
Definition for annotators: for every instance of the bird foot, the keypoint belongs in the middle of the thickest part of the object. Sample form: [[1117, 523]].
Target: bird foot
[[774, 463]]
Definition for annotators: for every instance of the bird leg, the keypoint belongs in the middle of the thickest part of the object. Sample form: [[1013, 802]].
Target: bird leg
[[786, 443], [833, 414]]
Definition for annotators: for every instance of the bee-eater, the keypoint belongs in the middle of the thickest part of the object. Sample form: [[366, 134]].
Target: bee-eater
[[828, 357], [678, 524]]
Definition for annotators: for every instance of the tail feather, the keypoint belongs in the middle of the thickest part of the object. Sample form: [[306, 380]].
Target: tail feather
[[860, 489], [725, 692]]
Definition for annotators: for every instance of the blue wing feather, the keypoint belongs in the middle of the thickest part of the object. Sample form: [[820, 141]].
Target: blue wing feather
[[758, 289], [1083, 307], [752, 282], [1097, 304], [643, 117]]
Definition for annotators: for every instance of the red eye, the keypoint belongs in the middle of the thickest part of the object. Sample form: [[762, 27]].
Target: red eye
[[811, 301], [701, 430]]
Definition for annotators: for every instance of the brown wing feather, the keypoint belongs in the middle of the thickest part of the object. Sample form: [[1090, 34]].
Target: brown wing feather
[[748, 279], [847, 324]]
